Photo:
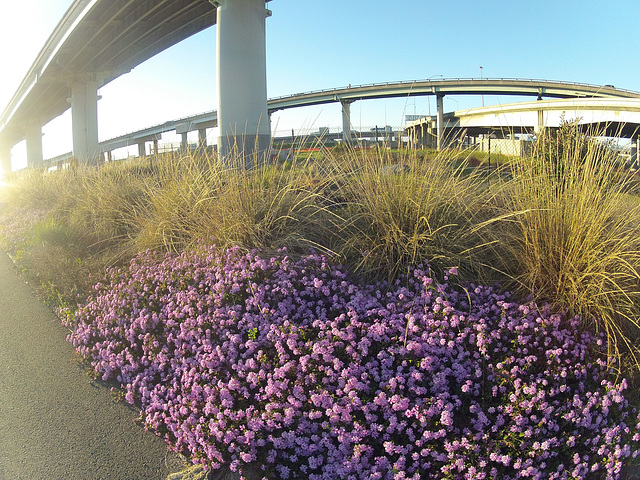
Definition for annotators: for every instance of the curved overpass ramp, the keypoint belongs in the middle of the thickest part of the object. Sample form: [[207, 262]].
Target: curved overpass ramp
[[616, 116], [453, 86]]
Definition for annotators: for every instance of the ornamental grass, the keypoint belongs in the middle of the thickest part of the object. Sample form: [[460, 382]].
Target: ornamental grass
[[568, 233], [401, 210]]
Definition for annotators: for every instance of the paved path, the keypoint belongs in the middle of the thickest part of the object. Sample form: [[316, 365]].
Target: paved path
[[55, 423]]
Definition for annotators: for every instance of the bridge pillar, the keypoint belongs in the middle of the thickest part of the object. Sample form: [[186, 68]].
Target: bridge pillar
[[541, 125], [34, 145], [242, 79], [184, 143], [142, 148], [346, 121], [440, 121], [5, 158], [155, 146], [635, 151], [84, 120], [202, 139]]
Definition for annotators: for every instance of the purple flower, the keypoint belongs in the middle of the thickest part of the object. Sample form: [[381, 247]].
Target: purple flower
[[289, 364]]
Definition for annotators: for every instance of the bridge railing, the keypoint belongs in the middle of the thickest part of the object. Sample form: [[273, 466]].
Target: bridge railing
[[456, 79]]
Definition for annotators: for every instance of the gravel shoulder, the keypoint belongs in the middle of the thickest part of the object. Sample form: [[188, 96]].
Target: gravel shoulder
[[55, 422]]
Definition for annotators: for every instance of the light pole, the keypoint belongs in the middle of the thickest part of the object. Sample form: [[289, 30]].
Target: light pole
[[481, 79]]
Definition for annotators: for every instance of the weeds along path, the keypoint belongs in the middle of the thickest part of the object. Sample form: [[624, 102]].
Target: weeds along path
[[55, 423]]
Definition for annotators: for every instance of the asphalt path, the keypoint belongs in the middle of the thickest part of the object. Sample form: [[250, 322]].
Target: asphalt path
[[55, 422]]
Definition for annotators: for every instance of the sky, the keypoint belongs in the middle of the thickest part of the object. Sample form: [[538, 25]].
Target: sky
[[314, 45]]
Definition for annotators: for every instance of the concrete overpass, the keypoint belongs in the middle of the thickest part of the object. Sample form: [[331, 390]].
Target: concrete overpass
[[448, 86], [615, 117], [98, 40], [181, 126], [606, 98]]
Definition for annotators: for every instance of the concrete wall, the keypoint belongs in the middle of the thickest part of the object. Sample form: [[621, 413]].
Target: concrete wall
[[504, 146]]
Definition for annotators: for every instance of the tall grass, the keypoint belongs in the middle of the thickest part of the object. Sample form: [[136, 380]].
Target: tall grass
[[561, 225], [569, 233], [404, 210]]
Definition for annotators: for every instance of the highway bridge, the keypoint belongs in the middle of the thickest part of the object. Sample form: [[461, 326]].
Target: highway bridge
[[614, 117], [99, 40], [593, 97]]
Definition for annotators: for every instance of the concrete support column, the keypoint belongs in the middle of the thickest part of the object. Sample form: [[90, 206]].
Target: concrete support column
[[440, 121], [635, 149], [541, 124], [84, 120], [155, 147], [184, 144], [34, 145], [242, 79], [346, 121], [142, 148], [5, 158], [202, 139]]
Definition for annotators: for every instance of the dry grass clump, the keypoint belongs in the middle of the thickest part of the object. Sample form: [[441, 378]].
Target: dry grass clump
[[570, 233], [402, 211], [268, 206]]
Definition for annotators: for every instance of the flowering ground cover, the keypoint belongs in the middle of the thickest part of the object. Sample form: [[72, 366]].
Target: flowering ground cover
[[14, 227], [287, 365]]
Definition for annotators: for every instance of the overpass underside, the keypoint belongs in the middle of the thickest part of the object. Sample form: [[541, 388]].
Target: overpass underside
[[99, 40]]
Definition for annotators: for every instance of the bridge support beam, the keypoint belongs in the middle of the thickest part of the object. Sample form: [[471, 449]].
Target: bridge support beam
[[346, 121], [440, 121], [243, 118], [34, 145], [142, 148], [84, 120]]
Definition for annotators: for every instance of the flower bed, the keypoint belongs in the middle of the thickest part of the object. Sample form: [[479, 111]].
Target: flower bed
[[288, 365]]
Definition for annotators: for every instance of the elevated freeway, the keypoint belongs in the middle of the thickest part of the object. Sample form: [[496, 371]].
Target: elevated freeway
[[374, 91], [618, 111], [448, 86], [615, 117], [452, 86], [96, 41]]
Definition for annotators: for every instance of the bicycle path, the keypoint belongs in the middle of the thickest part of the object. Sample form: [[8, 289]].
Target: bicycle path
[[55, 422]]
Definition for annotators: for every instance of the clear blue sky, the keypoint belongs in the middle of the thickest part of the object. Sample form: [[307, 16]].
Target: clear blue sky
[[315, 45]]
